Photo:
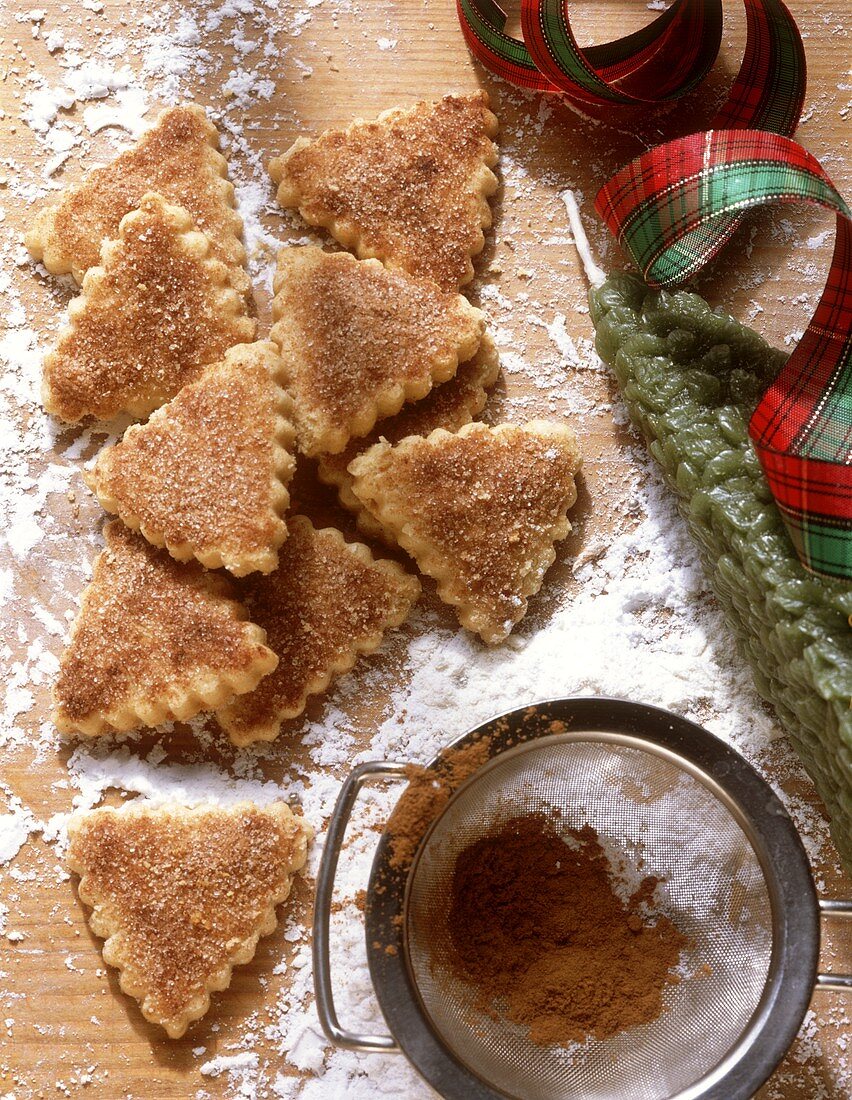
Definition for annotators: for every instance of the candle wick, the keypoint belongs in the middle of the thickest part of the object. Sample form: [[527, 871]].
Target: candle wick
[[595, 274]]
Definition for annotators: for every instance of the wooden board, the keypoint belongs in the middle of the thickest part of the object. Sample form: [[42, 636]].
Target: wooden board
[[70, 1027]]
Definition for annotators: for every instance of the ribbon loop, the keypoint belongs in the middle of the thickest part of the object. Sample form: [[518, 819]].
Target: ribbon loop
[[660, 62], [482, 24], [671, 209], [656, 64]]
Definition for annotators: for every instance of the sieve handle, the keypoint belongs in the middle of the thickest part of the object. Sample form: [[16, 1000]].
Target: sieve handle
[[322, 910], [841, 982]]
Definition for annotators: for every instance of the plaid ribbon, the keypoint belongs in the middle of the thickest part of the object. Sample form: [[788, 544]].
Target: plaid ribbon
[[675, 208], [659, 63], [664, 208]]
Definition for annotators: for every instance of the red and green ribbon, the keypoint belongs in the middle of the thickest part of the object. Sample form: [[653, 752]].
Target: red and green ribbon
[[659, 63], [675, 207], [664, 207]]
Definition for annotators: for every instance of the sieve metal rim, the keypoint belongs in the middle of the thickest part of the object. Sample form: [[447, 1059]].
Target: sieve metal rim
[[795, 911]]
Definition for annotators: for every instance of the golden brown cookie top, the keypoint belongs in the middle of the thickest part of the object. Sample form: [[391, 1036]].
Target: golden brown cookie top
[[206, 476], [148, 320], [154, 639], [328, 601], [450, 405], [182, 894], [178, 158], [410, 188], [478, 510], [357, 340]]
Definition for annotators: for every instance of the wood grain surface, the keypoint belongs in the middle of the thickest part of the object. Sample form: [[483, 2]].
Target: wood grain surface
[[70, 1029]]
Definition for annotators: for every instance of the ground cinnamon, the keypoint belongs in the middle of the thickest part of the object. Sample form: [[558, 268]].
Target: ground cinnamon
[[536, 925], [428, 792], [430, 789]]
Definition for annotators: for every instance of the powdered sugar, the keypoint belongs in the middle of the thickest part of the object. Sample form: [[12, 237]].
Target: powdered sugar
[[237, 1064], [15, 827]]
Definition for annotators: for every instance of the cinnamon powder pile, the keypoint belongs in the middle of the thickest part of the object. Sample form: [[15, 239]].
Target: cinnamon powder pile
[[535, 924], [428, 792]]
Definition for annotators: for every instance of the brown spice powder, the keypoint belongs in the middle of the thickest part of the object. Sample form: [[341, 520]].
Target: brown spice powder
[[426, 795], [535, 923]]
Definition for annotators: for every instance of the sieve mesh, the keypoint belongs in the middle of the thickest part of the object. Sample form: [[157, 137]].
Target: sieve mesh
[[643, 807]]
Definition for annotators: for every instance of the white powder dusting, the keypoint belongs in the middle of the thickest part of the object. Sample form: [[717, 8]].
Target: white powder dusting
[[230, 1064], [15, 828], [630, 616]]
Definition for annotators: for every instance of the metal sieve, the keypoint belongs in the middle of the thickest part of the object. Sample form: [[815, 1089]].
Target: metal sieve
[[661, 792]]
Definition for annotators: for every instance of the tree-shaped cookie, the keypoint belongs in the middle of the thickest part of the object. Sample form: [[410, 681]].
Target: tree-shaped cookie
[[478, 510], [328, 602], [182, 895], [410, 188], [154, 640], [206, 476], [149, 319], [357, 340], [178, 157], [448, 406]]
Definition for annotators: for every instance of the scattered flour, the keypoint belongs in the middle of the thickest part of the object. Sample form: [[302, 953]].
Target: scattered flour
[[229, 1063], [15, 829]]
